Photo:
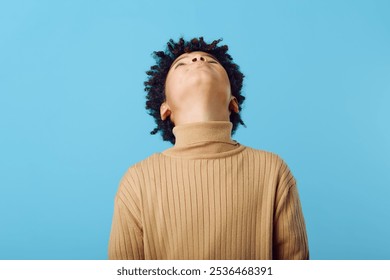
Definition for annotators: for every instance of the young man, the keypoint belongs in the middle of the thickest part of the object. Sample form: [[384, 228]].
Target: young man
[[207, 197]]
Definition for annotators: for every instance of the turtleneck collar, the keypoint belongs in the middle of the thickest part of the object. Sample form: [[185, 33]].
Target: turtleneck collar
[[203, 139]]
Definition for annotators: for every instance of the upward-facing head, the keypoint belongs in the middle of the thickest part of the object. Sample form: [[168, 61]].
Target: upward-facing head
[[190, 75]]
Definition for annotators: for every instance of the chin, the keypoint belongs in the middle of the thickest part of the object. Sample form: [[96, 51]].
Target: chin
[[204, 82]]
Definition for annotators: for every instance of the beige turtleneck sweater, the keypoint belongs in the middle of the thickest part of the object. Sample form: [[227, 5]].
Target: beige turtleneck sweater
[[208, 197]]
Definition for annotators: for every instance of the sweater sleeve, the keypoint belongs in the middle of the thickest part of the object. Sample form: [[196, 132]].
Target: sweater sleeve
[[126, 238], [290, 238]]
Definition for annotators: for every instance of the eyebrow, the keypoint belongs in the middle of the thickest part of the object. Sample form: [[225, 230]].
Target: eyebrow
[[207, 54], [178, 61]]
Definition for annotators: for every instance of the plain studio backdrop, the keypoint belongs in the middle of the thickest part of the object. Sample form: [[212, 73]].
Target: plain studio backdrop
[[72, 117]]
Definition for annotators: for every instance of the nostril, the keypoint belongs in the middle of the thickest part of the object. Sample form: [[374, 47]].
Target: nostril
[[194, 59], [202, 58]]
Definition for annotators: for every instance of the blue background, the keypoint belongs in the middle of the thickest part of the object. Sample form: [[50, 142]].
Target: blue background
[[72, 114]]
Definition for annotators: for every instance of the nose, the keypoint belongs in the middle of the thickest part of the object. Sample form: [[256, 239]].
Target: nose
[[199, 58]]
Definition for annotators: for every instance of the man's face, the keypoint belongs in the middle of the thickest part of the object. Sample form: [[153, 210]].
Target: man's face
[[196, 77]]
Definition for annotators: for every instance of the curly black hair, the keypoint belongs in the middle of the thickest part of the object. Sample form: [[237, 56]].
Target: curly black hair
[[155, 83]]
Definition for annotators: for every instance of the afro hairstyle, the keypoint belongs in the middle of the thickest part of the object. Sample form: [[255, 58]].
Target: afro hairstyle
[[155, 83]]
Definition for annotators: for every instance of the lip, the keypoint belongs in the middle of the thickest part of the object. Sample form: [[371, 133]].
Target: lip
[[200, 64], [200, 67]]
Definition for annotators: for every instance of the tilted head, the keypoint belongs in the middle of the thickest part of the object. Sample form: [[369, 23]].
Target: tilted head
[[172, 74]]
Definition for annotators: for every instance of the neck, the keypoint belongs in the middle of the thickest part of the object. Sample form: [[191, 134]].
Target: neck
[[202, 139], [189, 118], [200, 110]]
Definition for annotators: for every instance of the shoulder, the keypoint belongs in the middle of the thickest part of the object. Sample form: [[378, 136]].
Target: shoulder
[[266, 156], [134, 176], [269, 161], [140, 167], [274, 167]]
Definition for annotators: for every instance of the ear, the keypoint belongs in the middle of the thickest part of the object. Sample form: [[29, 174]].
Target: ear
[[165, 111], [233, 105]]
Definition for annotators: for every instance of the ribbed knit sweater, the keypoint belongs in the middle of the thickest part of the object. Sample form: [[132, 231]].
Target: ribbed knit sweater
[[208, 197]]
